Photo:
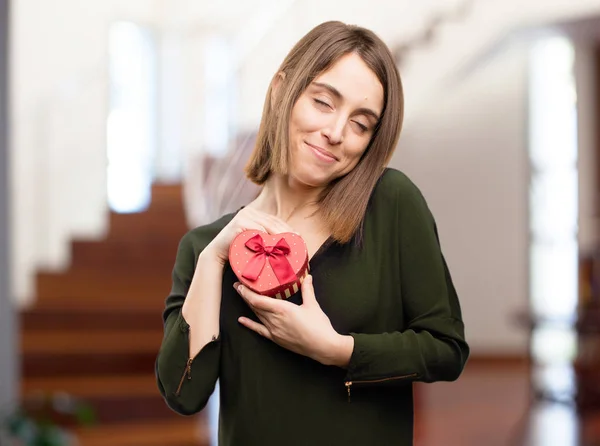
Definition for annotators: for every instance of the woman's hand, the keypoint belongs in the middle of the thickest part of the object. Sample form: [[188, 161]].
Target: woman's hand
[[304, 329], [245, 219]]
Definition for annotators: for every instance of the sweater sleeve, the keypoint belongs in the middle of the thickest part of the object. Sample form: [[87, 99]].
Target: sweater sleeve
[[185, 383], [433, 346]]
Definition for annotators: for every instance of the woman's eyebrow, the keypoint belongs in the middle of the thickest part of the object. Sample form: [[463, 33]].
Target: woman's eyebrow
[[334, 91]]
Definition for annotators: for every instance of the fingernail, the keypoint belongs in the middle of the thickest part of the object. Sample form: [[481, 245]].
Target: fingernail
[[236, 285]]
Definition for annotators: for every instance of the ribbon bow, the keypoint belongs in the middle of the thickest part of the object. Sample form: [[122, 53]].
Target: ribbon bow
[[277, 259]]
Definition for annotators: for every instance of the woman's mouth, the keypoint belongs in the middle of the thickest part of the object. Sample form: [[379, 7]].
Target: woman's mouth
[[322, 154]]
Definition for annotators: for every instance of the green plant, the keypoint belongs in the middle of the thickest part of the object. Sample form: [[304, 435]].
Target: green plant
[[44, 420]]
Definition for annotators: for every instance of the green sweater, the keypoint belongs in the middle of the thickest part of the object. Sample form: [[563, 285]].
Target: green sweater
[[394, 295]]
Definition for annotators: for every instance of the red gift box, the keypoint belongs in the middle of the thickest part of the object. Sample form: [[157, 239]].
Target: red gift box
[[269, 264]]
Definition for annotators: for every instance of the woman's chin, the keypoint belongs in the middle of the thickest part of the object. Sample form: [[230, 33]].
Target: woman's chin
[[312, 179]]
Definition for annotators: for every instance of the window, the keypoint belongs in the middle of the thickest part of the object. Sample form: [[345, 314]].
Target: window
[[553, 203], [132, 123]]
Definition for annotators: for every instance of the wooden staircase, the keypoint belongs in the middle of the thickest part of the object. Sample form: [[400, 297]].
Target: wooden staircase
[[95, 329]]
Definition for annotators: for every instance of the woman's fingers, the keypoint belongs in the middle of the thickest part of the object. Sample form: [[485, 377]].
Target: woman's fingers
[[275, 224], [251, 225], [255, 326], [256, 301], [271, 224]]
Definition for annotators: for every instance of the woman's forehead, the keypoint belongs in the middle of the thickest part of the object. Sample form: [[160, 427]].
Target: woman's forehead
[[354, 82]]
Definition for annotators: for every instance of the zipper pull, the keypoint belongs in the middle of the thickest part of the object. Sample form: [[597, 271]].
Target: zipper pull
[[348, 385], [189, 368], [187, 372]]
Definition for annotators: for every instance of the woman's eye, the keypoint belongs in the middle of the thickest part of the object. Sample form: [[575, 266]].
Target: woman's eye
[[318, 101], [362, 127]]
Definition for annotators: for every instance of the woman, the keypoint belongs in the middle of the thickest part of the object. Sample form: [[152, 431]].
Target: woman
[[334, 363]]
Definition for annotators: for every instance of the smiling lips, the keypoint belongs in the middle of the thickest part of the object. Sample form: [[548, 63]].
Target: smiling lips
[[322, 153]]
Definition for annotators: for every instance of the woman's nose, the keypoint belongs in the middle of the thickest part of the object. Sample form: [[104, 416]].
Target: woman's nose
[[334, 131]]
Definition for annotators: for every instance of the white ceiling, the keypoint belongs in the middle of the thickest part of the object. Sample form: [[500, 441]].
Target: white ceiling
[[393, 20]]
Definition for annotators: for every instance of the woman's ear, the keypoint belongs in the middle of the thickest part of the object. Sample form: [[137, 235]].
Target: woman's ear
[[275, 84]]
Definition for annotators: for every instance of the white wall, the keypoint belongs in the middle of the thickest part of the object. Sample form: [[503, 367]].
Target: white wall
[[59, 97], [467, 151], [261, 64]]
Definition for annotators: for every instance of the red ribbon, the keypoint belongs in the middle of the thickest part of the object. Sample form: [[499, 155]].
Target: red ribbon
[[277, 259]]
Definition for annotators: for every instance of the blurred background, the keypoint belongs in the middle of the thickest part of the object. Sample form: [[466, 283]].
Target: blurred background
[[125, 123]]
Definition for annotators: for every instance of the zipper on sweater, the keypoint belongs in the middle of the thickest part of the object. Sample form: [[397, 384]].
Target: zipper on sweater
[[349, 384], [188, 368], [187, 372]]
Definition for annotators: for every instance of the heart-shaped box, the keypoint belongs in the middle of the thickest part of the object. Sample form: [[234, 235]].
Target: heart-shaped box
[[272, 265]]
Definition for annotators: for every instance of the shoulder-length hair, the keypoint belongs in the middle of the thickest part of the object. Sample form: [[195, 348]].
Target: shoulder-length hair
[[343, 203]]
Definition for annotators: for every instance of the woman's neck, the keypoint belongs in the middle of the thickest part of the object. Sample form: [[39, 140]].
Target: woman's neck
[[280, 197]]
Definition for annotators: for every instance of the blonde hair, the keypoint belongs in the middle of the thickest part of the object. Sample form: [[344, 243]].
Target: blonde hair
[[343, 203]]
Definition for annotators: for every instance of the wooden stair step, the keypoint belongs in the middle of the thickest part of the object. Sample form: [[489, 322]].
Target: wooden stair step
[[100, 284], [170, 194], [88, 387], [158, 210], [110, 409], [147, 226], [141, 235], [131, 409], [168, 214], [56, 364], [115, 302], [124, 255], [185, 432], [124, 341], [112, 399], [69, 318], [167, 199], [95, 330]]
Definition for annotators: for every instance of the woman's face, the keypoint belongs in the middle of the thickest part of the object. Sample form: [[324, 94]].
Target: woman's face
[[333, 121]]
